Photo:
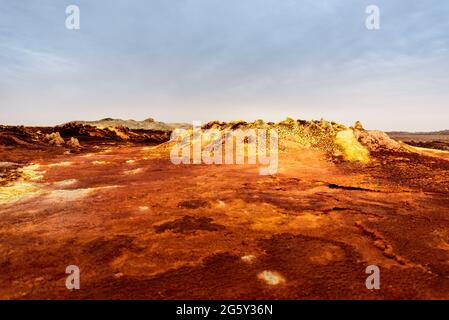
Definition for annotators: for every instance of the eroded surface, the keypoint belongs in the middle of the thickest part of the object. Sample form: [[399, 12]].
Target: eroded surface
[[141, 227]]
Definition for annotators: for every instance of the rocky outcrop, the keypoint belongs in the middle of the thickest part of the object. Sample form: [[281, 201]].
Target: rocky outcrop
[[358, 125], [147, 124], [118, 134], [73, 143], [19, 136], [377, 140], [338, 141], [73, 135], [54, 139]]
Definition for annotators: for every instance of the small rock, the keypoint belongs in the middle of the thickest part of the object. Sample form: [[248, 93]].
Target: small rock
[[73, 143], [358, 125], [54, 139]]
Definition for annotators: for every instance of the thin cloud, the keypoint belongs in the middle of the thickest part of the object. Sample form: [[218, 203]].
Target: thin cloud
[[207, 59]]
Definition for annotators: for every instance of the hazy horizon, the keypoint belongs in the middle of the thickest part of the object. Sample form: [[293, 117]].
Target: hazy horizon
[[226, 60], [204, 122]]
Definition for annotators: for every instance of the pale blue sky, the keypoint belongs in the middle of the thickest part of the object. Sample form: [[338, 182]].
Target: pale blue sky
[[184, 60]]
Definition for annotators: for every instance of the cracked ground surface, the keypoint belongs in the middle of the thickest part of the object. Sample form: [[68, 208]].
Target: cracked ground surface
[[140, 227]]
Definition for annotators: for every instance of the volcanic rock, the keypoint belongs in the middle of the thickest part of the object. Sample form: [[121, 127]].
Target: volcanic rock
[[74, 143], [377, 140], [358, 125], [54, 139]]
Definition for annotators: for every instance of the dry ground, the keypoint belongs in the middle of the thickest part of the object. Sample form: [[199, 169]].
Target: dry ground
[[140, 227]]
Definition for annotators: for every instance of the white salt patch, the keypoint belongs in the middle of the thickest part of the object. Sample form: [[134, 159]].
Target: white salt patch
[[67, 195], [221, 204], [18, 191], [96, 162], [65, 183], [6, 164], [61, 164], [73, 194], [271, 277], [248, 258], [31, 172], [135, 171]]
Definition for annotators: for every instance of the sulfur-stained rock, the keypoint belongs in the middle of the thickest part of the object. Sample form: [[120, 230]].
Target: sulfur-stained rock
[[350, 147], [259, 123], [287, 122], [73, 143], [54, 139], [358, 125]]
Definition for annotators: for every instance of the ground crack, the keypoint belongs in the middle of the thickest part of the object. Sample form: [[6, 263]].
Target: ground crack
[[336, 186], [381, 244]]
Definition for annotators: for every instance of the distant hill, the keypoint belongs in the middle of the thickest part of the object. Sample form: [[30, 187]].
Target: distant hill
[[442, 132], [434, 140], [147, 124]]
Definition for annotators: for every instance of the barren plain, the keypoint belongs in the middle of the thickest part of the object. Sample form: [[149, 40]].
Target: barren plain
[[139, 227]]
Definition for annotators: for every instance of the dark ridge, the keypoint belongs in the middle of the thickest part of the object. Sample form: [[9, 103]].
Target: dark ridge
[[336, 186], [193, 204], [189, 224]]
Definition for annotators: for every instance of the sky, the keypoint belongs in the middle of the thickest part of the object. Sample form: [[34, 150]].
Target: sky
[[201, 60]]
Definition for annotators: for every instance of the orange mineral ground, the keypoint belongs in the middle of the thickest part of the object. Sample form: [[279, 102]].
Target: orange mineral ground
[[140, 227]]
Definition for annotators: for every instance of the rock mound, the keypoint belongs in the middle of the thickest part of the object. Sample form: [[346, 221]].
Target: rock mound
[[73, 143], [54, 139], [337, 140], [119, 133], [147, 124], [377, 140]]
